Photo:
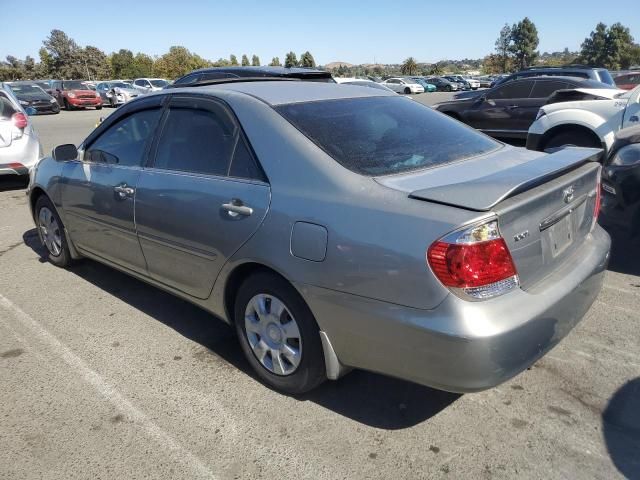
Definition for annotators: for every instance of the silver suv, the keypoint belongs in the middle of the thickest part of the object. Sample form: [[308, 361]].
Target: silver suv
[[20, 147]]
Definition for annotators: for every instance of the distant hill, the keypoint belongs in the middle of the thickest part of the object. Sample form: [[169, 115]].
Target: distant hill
[[334, 65]]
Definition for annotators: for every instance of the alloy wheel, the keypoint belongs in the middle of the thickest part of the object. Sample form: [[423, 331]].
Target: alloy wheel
[[273, 334], [49, 230]]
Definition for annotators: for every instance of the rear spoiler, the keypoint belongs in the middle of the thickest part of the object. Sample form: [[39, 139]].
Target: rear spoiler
[[484, 193]]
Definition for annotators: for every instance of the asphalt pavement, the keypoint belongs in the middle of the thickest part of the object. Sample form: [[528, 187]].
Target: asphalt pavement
[[105, 377]]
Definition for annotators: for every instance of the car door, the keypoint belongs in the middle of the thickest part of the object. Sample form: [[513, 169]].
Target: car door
[[527, 108], [203, 196], [495, 111], [99, 193]]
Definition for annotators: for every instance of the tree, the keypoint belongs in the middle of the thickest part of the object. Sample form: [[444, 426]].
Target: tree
[[611, 47], [45, 67], [307, 60], [94, 63], [409, 66], [436, 69], [494, 63], [233, 59], [502, 46], [64, 53], [245, 61], [122, 64], [177, 62], [142, 66], [255, 61], [291, 60], [275, 62], [524, 42]]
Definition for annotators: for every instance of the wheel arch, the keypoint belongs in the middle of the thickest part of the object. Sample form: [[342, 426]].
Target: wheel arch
[[566, 127], [34, 195]]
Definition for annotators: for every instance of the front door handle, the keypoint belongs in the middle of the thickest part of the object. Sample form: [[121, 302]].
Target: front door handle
[[236, 207], [513, 107], [123, 191]]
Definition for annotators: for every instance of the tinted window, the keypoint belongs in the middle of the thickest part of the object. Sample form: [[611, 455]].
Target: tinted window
[[243, 164], [124, 142], [605, 77], [544, 88], [139, 83], [6, 108], [73, 85], [196, 140], [385, 135], [512, 90]]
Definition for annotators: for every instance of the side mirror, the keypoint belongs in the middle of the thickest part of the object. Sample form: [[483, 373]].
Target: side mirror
[[30, 111], [63, 153]]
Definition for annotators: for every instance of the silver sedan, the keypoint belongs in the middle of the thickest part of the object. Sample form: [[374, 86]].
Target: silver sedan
[[336, 227]]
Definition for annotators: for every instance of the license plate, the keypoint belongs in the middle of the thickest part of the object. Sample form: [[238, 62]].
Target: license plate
[[561, 235]]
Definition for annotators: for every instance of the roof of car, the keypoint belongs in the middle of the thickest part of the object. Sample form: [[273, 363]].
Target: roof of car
[[282, 92], [584, 82]]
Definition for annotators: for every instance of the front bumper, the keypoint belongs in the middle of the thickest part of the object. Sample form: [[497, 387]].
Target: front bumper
[[85, 102], [534, 141], [462, 346]]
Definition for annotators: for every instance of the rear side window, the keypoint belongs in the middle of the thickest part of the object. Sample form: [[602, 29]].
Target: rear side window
[[197, 141], [124, 142], [516, 89], [605, 77], [6, 107], [544, 88], [385, 135]]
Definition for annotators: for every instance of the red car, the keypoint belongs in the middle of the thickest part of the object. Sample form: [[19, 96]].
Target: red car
[[72, 94], [628, 81]]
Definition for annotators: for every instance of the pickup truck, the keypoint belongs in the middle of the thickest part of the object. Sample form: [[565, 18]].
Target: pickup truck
[[584, 118]]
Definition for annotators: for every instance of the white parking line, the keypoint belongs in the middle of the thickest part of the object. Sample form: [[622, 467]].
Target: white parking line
[[622, 290], [109, 392], [620, 309]]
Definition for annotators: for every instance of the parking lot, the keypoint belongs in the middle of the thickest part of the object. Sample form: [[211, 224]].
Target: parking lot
[[106, 377]]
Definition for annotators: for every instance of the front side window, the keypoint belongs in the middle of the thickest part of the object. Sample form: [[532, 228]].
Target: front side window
[[124, 142], [197, 140], [385, 135]]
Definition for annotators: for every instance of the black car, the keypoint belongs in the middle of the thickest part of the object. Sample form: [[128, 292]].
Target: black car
[[442, 84], [508, 110], [214, 74], [579, 71], [621, 182], [30, 94]]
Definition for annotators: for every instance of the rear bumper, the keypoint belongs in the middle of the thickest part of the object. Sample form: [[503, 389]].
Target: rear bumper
[[19, 157], [462, 346]]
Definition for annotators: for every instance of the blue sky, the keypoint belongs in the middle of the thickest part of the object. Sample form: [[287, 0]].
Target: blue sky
[[357, 32]]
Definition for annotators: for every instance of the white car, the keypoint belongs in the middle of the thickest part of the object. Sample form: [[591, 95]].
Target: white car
[[403, 85], [591, 121], [147, 85], [473, 83], [20, 148]]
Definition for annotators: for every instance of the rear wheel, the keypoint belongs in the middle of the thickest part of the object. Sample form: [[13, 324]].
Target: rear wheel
[[99, 107], [51, 233], [572, 138], [278, 334], [448, 88]]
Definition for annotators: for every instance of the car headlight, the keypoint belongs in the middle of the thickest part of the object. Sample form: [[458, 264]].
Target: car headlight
[[627, 156], [53, 100], [22, 102], [71, 95], [541, 113]]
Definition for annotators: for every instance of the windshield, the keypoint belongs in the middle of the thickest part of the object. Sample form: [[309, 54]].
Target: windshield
[[121, 85], [159, 83], [26, 89], [385, 135], [74, 85]]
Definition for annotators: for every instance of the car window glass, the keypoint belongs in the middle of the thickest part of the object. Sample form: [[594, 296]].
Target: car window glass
[[6, 108], [544, 88], [385, 135], [196, 140], [511, 90], [124, 142], [137, 82], [243, 164]]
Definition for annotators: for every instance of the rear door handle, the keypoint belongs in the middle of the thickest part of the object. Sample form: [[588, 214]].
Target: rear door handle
[[513, 107], [236, 207]]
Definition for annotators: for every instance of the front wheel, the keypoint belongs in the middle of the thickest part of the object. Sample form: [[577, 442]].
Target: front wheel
[[99, 108], [278, 334], [407, 90], [51, 233]]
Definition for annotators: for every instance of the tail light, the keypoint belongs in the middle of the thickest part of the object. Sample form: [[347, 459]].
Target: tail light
[[474, 263], [19, 120]]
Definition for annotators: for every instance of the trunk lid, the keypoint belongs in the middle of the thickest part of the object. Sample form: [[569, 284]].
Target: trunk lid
[[544, 202]]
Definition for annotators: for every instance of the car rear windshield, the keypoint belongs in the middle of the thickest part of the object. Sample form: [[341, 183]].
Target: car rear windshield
[[159, 83], [385, 135], [605, 77], [26, 89]]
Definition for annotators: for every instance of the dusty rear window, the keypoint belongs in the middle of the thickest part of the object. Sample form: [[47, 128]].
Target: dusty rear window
[[385, 135]]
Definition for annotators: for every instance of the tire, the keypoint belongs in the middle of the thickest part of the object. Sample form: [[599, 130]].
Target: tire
[[448, 88], [407, 90], [67, 105], [269, 334], [99, 108], [51, 233], [572, 138]]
